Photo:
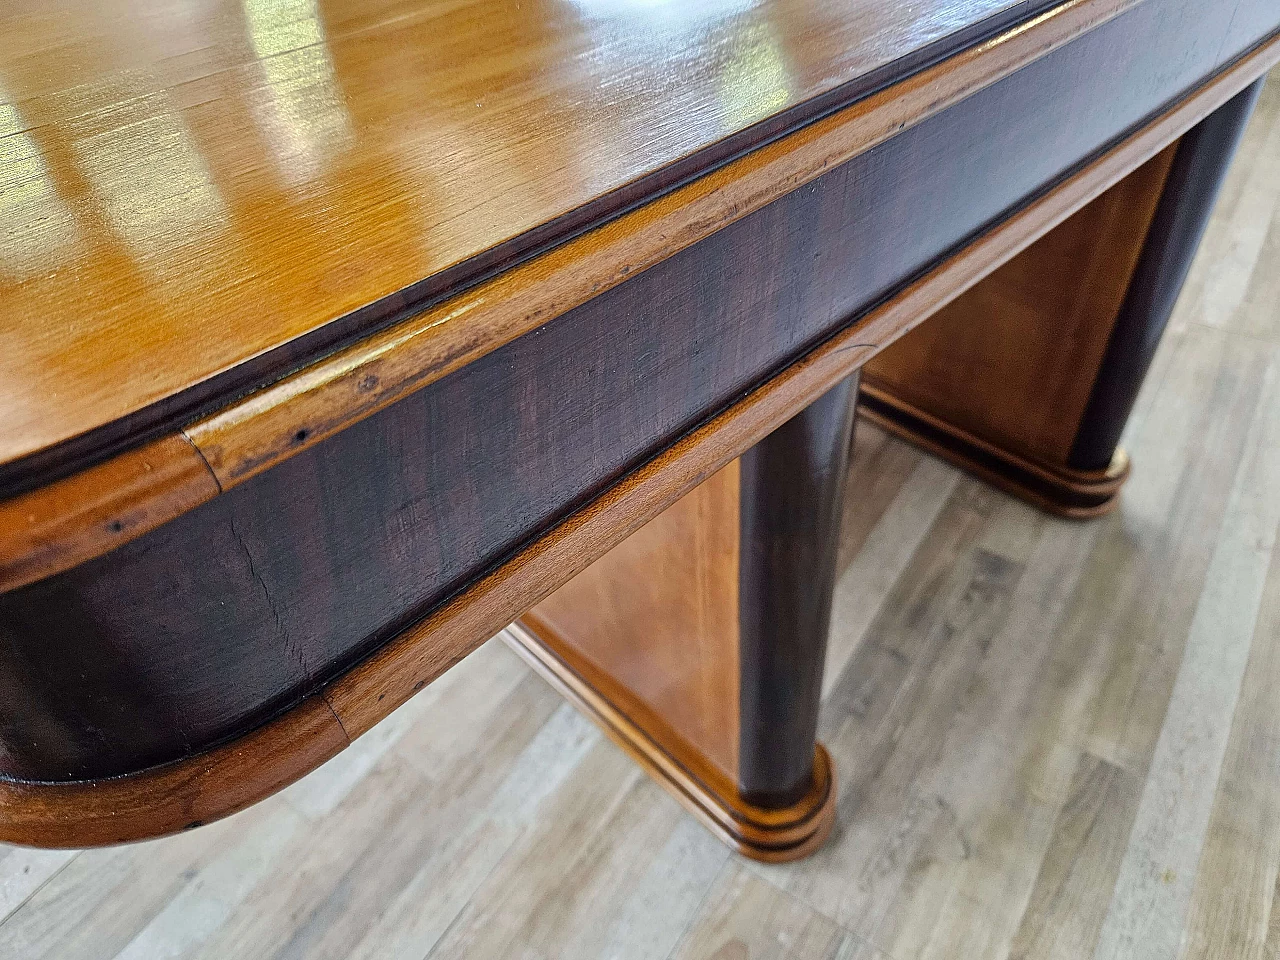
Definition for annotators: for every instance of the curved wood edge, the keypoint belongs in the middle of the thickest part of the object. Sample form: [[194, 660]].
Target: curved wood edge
[[762, 834], [1075, 494], [275, 423], [88, 514], [178, 796], [392, 674]]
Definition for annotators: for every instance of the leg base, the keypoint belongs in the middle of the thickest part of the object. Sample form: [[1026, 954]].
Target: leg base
[[1078, 494], [769, 835]]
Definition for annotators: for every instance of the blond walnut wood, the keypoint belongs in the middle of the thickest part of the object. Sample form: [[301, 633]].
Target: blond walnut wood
[[201, 188], [653, 625]]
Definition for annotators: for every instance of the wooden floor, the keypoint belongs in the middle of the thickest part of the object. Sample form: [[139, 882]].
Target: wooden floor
[[1054, 739]]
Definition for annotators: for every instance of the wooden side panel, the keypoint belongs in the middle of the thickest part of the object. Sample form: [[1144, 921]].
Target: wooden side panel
[[653, 625], [1012, 360]]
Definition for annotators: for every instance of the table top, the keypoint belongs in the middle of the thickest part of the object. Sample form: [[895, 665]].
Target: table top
[[195, 197]]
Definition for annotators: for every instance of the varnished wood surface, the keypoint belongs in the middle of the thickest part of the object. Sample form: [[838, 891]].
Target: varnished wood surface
[[275, 423], [87, 514], [698, 642], [1066, 492], [1014, 690], [387, 679], [190, 186], [663, 646], [769, 834]]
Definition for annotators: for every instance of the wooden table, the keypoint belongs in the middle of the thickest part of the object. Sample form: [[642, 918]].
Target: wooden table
[[337, 336]]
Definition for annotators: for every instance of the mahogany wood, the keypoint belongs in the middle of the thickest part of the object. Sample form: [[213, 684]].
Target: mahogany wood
[[771, 835], [792, 490], [176, 797], [385, 678], [1078, 494], [698, 642], [88, 514]]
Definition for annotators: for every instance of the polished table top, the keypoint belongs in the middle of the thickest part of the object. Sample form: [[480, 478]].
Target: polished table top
[[188, 186]]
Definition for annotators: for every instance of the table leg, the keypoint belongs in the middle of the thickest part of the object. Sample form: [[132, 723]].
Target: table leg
[[698, 642], [1028, 379]]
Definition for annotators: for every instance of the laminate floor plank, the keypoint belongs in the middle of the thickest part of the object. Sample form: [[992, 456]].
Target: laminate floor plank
[[1149, 907], [887, 717], [881, 555], [24, 871], [747, 917], [1231, 907]]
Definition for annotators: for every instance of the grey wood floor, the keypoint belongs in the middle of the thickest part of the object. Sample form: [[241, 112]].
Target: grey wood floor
[[1054, 739]]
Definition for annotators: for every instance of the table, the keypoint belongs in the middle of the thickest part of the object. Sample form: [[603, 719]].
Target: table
[[339, 336]]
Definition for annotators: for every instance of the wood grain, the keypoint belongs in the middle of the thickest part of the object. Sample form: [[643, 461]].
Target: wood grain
[[178, 797], [1008, 361], [325, 168], [92, 512], [387, 678], [656, 622], [769, 834], [272, 440], [1078, 494], [717, 687]]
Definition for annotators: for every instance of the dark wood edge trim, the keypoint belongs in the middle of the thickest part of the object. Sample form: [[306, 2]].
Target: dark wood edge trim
[[1067, 492], [938, 76], [771, 835], [376, 686]]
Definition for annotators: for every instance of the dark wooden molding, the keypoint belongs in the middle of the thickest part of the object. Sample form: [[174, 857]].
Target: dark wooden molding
[[1199, 167], [792, 488]]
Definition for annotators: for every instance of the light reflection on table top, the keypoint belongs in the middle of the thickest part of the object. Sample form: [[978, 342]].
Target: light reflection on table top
[[184, 185]]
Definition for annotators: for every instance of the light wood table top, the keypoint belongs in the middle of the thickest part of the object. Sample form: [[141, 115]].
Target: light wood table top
[[196, 197]]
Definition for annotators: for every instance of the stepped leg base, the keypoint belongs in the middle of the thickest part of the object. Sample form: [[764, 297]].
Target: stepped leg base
[[770, 835], [1077, 494]]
